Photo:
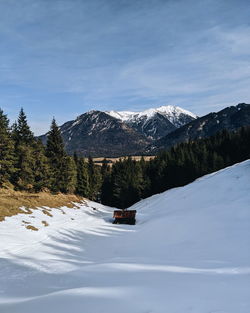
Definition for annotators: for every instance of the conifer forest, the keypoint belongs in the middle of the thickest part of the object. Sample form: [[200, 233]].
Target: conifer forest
[[27, 165]]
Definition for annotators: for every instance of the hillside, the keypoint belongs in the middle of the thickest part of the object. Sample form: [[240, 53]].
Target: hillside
[[96, 133], [189, 252], [230, 118]]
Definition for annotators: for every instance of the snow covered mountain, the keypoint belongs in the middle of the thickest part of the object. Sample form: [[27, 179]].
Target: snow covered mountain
[[155, 123], [188, 253], [230, 118], [114, 134]]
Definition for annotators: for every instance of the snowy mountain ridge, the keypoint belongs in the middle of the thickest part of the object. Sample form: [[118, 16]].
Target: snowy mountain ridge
[[155, 123], [230, 118], [172, 112]]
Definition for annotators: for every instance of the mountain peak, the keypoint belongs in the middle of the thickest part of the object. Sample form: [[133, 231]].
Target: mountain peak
[[170, 111], [115, 133], [155, 123]]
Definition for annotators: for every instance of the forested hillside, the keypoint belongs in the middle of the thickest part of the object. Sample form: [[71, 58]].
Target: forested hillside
[[25, 164]]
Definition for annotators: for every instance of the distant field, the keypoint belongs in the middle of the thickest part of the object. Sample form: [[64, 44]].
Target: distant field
[[99, 161]]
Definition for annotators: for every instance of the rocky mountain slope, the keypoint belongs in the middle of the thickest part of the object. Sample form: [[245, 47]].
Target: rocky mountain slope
[[230, 118], [96, 133]]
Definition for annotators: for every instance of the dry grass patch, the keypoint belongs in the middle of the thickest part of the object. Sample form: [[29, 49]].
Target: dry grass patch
[[15, 202], [45, 223], [32, 227], [26, 222], [46, 212], [99, 161]]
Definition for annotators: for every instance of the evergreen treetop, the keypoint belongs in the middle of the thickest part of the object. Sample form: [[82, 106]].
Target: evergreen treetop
[[21, 130], [55, 146], [6, 150]]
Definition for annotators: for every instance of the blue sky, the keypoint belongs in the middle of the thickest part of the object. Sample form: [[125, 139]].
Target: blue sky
[[64, 57]]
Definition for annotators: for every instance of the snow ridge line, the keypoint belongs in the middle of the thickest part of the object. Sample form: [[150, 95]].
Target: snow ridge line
[[173, 269]]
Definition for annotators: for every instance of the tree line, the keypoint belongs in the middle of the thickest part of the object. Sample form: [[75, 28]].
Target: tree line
[[129, 181], [26, 164]]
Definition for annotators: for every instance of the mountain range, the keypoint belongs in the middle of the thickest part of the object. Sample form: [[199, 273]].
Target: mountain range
[[114, 133], [118, 133], [230, 118]]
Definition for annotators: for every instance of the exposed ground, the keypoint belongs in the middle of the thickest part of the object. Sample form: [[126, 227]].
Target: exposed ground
[[14, 202]]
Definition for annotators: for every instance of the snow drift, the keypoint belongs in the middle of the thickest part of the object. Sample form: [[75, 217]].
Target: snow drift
[[188, 253]]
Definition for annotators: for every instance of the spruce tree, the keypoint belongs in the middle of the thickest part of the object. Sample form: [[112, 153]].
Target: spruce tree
[[95, 180], [21, 132], [56, 157], [55, 147], [67, 183], [24, 140], [105, 168], [6, 150], [41, 167], [107, 190], [82, 185], [24, 177]]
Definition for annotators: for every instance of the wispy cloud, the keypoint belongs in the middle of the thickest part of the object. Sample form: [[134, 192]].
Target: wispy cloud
[[64, 57]]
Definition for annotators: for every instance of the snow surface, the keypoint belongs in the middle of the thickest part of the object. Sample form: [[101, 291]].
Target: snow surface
[[188, 253], [170, 111]]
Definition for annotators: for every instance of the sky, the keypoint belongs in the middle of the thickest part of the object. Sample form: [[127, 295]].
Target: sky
[[62, 58]]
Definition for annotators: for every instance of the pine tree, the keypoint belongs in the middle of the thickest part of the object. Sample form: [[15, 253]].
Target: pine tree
[[127, 183], [21, 132], [95, 180], [107, 190], [41, 167], [82, 185], [55, 147], [6, 150], [24, 141], [105, 168], [67, 183], [56, 157], [24, 177]]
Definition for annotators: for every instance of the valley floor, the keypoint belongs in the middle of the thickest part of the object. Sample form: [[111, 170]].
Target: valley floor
[[188, 253]]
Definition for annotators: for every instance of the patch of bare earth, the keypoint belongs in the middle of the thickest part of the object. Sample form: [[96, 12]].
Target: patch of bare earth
[[32, 227], [14, 202], [46, 212]]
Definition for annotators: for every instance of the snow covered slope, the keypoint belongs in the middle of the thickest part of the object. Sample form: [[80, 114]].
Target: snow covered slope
[[188, 253]]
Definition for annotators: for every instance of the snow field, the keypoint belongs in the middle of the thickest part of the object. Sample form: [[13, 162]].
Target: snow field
[[188, 253]]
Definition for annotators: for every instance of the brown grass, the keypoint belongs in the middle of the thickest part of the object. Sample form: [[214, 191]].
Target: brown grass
[[11, 201], [26, 222], [45, 223], [46, 212], [98, 161], [32, 227]]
